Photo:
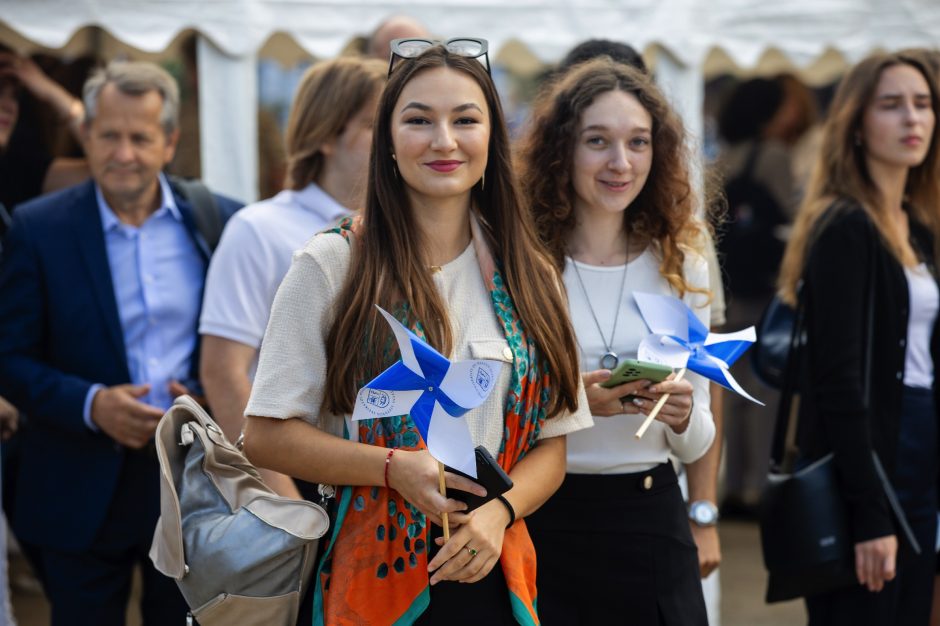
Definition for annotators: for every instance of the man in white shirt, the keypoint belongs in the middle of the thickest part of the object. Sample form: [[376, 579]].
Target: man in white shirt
[[329, 136]]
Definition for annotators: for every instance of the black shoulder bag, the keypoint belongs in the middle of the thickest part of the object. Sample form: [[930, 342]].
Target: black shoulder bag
[[805, 538], [776, 328]]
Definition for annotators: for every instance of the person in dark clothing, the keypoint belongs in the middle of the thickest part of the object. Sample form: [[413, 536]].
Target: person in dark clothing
[[868, 383], [27, 169]]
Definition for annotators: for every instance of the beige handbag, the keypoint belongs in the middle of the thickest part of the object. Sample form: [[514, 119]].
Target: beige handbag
[[240, 553]]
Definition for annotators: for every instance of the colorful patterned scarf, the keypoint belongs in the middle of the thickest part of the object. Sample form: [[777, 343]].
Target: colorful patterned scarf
[[374, 570]]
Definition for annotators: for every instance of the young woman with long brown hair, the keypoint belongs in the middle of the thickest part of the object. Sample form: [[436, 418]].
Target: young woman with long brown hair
[[867, 232], [445, 244], [607, 169]]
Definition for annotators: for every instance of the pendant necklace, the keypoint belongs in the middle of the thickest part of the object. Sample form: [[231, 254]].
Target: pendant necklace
[[610, 359]]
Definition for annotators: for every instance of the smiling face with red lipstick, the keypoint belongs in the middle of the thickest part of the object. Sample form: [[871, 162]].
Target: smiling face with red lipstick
[[613, 153], [440, 133], [898, 123]]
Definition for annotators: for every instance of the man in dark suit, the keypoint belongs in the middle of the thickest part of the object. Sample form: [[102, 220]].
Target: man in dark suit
[[101, 285]]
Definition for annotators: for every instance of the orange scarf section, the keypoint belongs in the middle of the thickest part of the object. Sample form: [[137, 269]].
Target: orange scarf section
[[375, 569]]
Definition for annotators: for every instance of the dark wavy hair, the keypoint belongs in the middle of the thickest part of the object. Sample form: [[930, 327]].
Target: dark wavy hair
[[664, 210], [389, 268]]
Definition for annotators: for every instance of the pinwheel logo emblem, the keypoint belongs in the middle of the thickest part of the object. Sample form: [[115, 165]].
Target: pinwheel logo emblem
[[483, 378], [378, 399]]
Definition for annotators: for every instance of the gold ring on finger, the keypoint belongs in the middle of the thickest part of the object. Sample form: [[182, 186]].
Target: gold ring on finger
[[472, 552]]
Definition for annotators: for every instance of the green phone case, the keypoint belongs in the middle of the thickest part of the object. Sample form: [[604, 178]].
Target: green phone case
[[630, 370]]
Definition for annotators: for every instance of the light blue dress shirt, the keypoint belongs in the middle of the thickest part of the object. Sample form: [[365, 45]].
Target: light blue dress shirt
[[158, 274]]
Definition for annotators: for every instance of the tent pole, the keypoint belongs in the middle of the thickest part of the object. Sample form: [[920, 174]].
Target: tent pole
[[684, 86], [228, 121]]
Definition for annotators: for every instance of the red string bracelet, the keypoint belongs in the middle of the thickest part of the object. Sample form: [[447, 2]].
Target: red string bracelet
[[388, 461]]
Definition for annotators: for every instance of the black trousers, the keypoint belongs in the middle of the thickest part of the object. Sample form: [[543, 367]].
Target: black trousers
[[906, 600], [617, 549], [92, 587], [462, 604]]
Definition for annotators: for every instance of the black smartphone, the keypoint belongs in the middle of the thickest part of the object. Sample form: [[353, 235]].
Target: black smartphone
[[489, 474]]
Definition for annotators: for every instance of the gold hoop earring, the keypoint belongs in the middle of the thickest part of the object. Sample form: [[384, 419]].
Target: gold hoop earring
[[483, 181]]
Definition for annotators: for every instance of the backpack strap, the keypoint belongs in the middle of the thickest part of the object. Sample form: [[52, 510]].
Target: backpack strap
[[205, 208], [751, 162]]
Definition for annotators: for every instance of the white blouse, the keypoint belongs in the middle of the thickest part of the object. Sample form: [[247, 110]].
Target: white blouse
[[924, 304], [610, 446]]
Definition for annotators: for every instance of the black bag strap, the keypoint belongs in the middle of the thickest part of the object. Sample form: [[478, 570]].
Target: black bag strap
[[5, 222], [205, 208], [785, 451], [750, 162]]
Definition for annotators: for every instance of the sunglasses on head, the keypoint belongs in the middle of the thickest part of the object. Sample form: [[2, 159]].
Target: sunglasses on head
[[411, 47]]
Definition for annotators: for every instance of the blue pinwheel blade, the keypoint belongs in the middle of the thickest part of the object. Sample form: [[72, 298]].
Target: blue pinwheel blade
[[397, 378], [421, 414], [728, 351], [704, 366], [450, 407], [697, 330], [432, 363]]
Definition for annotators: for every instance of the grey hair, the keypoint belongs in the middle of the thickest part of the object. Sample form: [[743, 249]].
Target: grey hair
[[135, 78]]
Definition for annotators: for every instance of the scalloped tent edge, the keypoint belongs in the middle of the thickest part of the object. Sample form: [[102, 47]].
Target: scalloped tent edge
[[686, 37]]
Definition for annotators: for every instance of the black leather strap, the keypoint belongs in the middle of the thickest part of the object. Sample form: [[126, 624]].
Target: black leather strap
[[205, 209], [784, 450]]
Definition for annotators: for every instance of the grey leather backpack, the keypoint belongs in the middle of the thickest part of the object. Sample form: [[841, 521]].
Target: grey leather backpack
[[240, 553]]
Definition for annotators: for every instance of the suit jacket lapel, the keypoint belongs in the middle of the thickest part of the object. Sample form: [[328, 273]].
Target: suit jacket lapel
[[87, 223]]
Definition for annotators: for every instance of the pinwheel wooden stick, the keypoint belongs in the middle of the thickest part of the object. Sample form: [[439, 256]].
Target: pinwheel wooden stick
[[443, 488], [657, 408]]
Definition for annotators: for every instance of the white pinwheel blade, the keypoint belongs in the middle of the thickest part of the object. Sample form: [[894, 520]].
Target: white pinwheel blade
[[449, 441], [403, 337], [469, 383], [662, 350], [731, 383], [374, 403], [748, 334], [664, 315]]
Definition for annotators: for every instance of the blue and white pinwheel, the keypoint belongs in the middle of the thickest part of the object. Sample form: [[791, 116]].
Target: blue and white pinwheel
[[435, 392], [680, 339]]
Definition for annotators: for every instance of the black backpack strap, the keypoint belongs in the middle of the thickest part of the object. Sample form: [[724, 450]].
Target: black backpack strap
[[205, 209], [751, 162], [5, 222]]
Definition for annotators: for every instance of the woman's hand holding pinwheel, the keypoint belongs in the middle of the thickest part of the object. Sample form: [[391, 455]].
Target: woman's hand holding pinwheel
[[413, 474], [677, 409]]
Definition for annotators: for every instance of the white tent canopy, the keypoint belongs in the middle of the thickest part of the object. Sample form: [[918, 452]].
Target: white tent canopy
[[235, 30]]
